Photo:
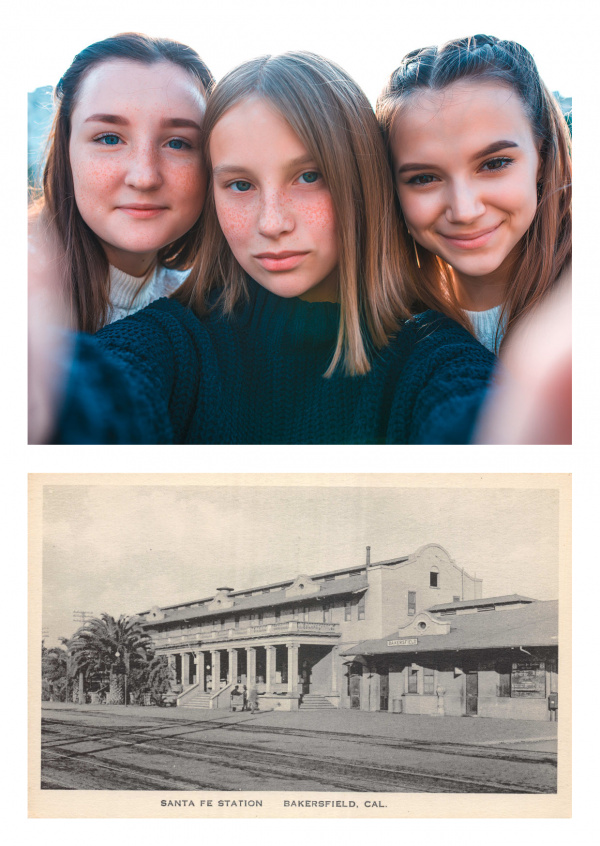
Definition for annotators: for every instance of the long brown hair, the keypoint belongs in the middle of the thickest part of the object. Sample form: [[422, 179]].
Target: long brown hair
[[335, 122], [546, 246], [87, 266]]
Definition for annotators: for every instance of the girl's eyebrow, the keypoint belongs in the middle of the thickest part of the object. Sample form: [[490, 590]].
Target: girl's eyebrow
[[300, 161], [119, 120], [495, 147]]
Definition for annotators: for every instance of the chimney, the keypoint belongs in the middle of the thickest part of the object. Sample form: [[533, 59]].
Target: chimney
[[368, 556]]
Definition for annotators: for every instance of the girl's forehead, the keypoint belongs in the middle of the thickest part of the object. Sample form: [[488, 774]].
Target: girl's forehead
[[254, 125], [465, 109], [128, 84]]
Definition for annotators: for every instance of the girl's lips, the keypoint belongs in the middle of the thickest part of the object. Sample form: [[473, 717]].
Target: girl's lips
[[471, 242], [280, 261], [142, 212]]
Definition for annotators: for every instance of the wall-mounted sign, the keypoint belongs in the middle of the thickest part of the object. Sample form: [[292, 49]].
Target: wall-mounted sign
[[404, 641]]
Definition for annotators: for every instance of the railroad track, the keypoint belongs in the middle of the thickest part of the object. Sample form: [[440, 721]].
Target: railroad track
[[70, 766], [445, 748]]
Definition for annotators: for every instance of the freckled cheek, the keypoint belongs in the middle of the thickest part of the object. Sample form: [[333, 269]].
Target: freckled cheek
[[318, 216], [93, 180], [188, 186], [237, 223]]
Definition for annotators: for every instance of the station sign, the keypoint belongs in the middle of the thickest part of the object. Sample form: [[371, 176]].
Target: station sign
[[403, 641]]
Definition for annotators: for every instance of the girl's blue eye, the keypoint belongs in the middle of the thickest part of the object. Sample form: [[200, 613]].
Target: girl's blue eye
[[241, 186], [310, 177], [178, 144], [109, 139]]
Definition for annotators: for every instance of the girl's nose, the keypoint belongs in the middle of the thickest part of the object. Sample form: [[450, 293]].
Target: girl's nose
[[464, 204], [275, 216], [144, 173]]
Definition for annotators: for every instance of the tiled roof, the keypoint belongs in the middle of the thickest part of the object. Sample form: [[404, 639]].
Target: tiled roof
[[335, 587], [486, 600], [531, 625]]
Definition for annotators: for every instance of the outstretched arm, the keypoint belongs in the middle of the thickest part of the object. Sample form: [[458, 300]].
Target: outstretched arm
[[442, 385]]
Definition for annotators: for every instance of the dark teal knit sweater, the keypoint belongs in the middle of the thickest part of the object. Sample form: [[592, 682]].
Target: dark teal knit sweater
[[164, 376]]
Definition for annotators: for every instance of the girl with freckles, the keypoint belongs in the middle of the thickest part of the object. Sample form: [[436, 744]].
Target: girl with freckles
[[293, 326], [124, 181], [480, 153]]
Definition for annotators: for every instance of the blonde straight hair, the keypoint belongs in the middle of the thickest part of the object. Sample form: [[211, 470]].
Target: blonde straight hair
[[545, 250], [335, 122]]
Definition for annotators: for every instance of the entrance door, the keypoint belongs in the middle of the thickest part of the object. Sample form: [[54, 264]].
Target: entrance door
[[354, 684], [305, 676], [472, 690], [384, 689]]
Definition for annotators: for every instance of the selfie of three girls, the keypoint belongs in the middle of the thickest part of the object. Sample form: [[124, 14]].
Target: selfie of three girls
[[270, 257]]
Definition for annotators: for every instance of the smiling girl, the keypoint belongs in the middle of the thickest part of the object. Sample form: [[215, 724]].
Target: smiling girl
[[291, 327], [124, 182], [481, 160]]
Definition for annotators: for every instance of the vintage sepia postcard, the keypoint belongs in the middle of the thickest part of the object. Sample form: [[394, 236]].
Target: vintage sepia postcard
[[300, 645]]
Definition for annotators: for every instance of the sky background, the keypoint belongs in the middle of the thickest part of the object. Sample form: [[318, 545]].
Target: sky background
[[124, 548], [368, 39]]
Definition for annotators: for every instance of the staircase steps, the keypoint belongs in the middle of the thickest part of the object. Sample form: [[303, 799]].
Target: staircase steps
[[196, 700], [314, 701]]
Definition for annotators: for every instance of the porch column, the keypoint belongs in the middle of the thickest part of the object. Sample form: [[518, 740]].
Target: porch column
[[270, 669], [216, 670], [233, 666], [250, 667], [292, 656], [200, 670], [172, 660], [185, 669], [334, 654]]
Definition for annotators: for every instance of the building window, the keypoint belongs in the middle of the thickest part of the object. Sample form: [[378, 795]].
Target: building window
[[361, 607], [412, 603], [347, 610], [260, 617], [327, 613], [222, 622], [277, 614], [434, 577], [413, 680], [428, 681], [237, 621]]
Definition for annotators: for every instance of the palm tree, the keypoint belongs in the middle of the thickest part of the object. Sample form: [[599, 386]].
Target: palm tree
[[105, 647], [54, 673]]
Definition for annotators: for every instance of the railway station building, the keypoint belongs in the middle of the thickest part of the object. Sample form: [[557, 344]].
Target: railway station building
[[393, 635]]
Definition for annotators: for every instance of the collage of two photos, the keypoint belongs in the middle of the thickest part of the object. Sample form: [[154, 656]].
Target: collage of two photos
[[271, 250], [303, 645]]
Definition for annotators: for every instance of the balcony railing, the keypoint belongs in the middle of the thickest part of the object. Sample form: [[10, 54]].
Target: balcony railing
[[207, 636]]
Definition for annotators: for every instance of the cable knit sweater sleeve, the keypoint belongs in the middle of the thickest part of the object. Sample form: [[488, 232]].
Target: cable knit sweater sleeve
[[440, 385], [135, 382]]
